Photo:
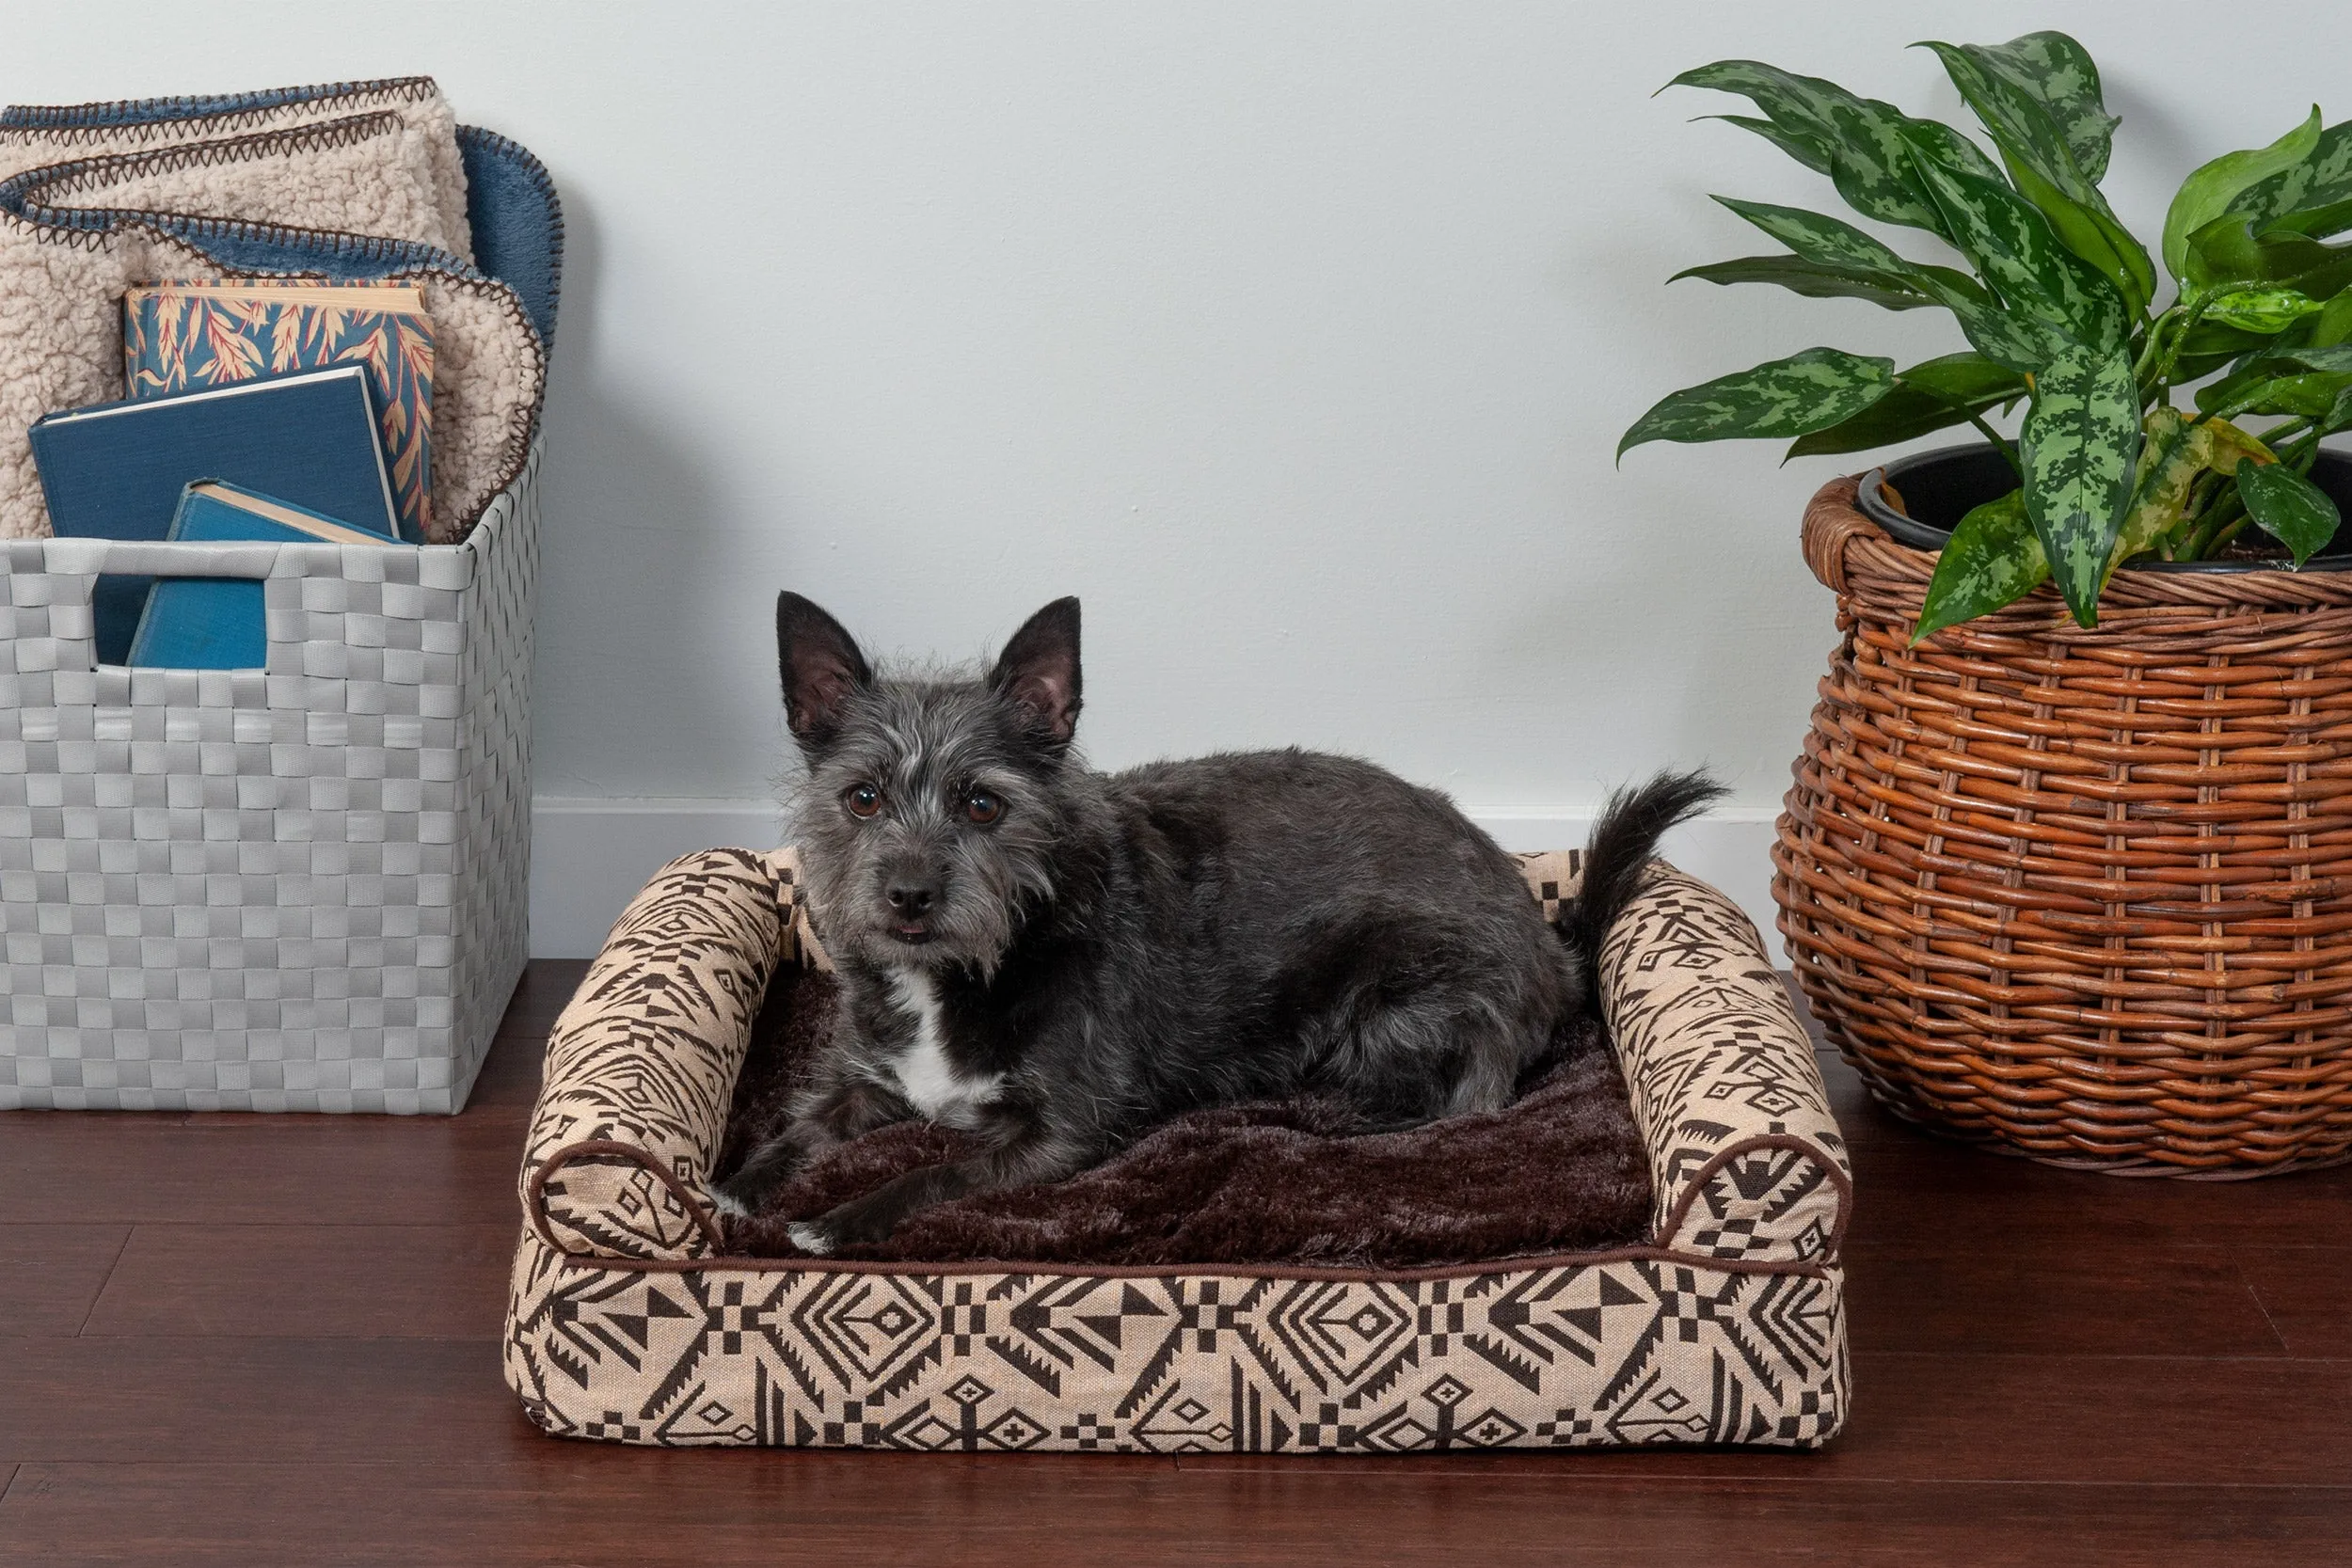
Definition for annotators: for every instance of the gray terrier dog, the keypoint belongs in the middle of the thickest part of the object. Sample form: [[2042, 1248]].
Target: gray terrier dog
[[1055, 959]]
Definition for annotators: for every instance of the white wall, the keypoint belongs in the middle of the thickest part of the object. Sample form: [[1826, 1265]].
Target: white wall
[[1293, 337]]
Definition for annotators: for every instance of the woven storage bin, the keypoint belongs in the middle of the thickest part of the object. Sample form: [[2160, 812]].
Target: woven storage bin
[[2086, 894], [301, 888]]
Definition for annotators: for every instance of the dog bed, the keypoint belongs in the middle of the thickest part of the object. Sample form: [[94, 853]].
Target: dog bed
[[1670, 1277]]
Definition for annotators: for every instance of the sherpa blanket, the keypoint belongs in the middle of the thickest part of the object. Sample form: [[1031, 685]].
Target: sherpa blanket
[[352, 180]]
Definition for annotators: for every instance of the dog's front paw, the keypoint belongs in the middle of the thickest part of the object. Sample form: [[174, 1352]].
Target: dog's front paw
[[870, 1218], [741, 1194]]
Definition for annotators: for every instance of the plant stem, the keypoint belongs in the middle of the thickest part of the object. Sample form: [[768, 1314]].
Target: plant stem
[[2221, 540], [2200, 495], [2000, 442], [2150, 344], [2201, 539], [2285, 429], [2163, 382]]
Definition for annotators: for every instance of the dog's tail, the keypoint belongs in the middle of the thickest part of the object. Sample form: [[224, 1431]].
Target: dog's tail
[[1619, 852]]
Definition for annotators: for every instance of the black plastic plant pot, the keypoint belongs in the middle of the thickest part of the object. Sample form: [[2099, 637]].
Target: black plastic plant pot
[[1941, 487]]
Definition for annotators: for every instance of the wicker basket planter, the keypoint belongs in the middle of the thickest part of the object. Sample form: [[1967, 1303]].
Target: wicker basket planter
[[2084, 896]]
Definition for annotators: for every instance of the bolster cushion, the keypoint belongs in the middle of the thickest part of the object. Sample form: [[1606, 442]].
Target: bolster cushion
[[642, 1064]]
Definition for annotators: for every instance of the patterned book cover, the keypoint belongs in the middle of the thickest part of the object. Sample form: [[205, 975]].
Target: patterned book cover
[[177, 336]]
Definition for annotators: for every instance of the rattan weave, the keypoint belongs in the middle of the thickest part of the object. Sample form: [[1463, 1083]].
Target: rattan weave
[[2084, 893]]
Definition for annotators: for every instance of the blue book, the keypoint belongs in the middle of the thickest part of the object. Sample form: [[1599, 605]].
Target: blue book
[[116, 470], [220, 622]]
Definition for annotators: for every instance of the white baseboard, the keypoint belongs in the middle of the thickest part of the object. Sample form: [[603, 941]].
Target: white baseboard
[[589, 856]]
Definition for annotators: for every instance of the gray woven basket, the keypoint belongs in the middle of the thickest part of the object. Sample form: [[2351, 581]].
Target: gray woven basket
[[302, 888]]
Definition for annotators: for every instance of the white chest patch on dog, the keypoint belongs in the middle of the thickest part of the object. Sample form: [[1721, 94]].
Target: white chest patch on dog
[[933, 1084]]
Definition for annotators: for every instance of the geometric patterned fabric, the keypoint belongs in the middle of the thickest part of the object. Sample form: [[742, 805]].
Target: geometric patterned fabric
[[300, 888], [626, 1324]]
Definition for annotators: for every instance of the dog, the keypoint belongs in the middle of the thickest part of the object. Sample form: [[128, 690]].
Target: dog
[[1057, 960]]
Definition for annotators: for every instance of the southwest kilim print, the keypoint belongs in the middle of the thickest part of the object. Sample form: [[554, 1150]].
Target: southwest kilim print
[[625, 1325]]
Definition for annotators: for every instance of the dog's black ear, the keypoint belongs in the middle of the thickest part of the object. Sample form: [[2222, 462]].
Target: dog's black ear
[[821, 667], [1039, 668]]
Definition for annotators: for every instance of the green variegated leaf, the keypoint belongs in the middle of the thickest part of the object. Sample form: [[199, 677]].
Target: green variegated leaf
[[1819, 237], [2205, 348], [2089, 228], [1992, 559], [2307, 380], [1931, 396], [2256, 370], [1799, 142], [2057, 72], [2333, 324], [1904, 414], [2288, 507], [2215, 187], [2079, 442], [2228, 251], [1834, 242], [2312, 196], [2333, 357], [1965, 378], [2316, 222], [2013, 248], [2172, 454], [2312, 396], [1954, 148], [1859, 140], [2018, 340], [1786, 396], [1812, 279], [2041, 161], [2263, 310]]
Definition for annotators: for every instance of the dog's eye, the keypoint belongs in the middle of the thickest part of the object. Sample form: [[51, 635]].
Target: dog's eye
[[862, 799], [982, 807]]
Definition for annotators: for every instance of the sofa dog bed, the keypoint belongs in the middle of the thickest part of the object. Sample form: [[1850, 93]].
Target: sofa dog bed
[[1712, 1314]]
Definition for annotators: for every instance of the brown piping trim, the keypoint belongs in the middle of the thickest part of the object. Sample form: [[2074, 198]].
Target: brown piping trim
[[534, 1202], [56, 127], [349, 132], [1672, 1225], [1187, 1271]]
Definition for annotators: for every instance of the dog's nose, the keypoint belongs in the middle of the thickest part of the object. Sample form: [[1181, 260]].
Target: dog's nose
[[909, 895]]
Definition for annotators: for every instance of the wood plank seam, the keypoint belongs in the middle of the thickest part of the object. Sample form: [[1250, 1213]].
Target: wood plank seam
[[105, 1279]]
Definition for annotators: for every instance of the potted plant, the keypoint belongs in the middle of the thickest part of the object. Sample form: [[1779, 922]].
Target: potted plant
[[2068, 861]]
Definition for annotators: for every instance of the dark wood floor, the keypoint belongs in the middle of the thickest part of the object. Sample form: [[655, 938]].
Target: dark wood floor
[[243, 1341]]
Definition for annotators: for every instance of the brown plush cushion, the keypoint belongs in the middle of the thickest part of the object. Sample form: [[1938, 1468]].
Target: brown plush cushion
[[1268, 1184]]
